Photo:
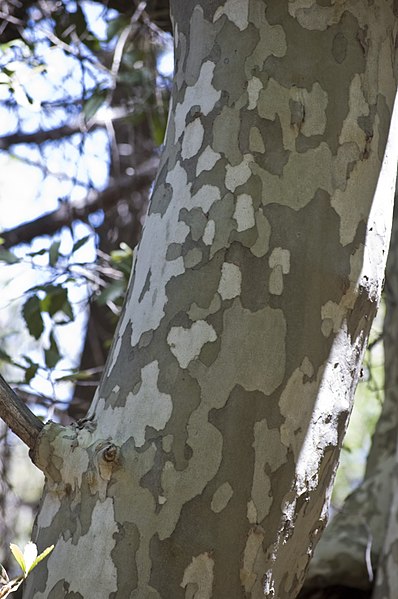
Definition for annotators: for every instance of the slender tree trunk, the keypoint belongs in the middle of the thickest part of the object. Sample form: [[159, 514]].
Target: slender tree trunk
[[205, 465]]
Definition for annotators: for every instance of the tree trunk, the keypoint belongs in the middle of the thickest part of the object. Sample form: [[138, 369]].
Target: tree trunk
[[205, 465]]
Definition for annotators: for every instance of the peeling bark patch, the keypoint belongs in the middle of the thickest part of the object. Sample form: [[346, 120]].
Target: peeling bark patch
[[239, 174], [279, 261], [202, 93], [186, 344], [209, 232], [236, 11], [244, 212], [198, 577], [221, 497], [230, 282], [147, 407], [192, 140], [253, 547], [207, 160], [237, 363], [97, 545]]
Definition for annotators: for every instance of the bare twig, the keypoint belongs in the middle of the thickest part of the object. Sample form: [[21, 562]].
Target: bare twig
[[68, 213], [18, 416]]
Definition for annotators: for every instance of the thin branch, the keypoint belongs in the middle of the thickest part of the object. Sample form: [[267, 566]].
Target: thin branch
[[38, 137], [42, 136], [67, 213], [18, 416]]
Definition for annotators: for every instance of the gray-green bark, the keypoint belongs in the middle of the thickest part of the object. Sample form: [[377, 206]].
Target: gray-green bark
[[205, 466]]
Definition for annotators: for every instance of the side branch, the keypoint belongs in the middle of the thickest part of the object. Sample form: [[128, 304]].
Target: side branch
[[66, 214], [18, 416]]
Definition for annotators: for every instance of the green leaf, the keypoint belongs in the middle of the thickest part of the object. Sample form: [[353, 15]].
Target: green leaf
[[17, 553], [5, 358], [53, 253], [51, 354], [40, 557], [111, 293], [56, 300], [158, 127], [93, 104], [80, 242], [38, 253], [31, 312], [116, 26], [80, 375], [8, 257], [30, 373]]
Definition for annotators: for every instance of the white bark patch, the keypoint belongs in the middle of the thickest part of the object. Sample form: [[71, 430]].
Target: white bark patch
[[279, 261], [275, 100], [149, 406], [321, 422], [333, 314], [244, 212], [314, 103], [248, 575], [307, 367], [351, 132], [296, 404], [230, 282], [254, 86], [198, 578], [167, 443], [146, 407], [268, 451], [252, 512], [221, 497], [205, 197], [207, 160], [202, 94], [280, 257], [147, 312], [192, 140], [275, 283], [236, 11], [353, 203], [239, 174], [235, 365], [186, 344], [48, 510], [300, 169], [272, 39], [209, 232], [98, 575], [260, 248]]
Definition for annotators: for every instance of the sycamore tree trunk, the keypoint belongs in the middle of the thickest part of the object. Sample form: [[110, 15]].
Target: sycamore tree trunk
[[204, 467]]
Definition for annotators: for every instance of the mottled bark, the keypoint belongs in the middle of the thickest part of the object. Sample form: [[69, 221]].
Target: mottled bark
[[205, 465]]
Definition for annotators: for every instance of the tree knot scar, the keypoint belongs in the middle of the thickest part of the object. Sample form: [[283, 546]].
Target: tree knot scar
[[110, 453]]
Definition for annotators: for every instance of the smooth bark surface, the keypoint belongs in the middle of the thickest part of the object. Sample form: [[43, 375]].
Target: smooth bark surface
[[205, 465]]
